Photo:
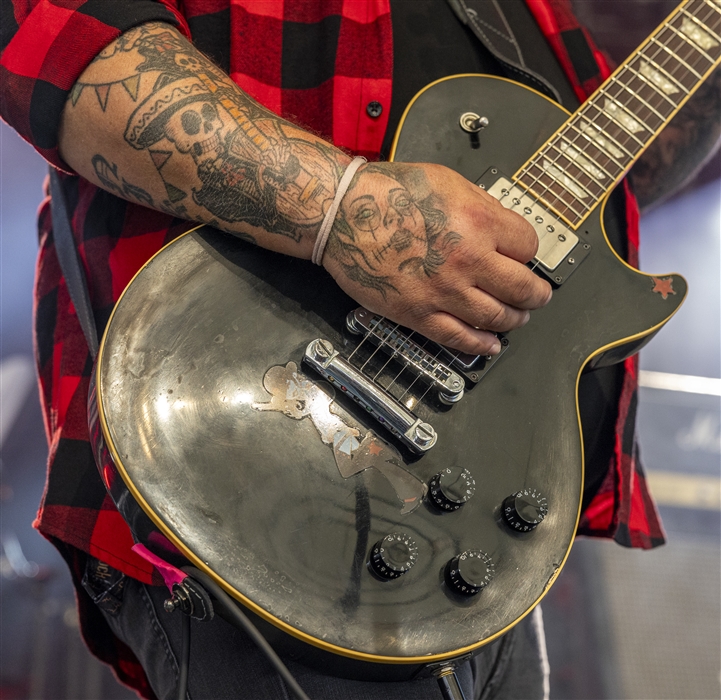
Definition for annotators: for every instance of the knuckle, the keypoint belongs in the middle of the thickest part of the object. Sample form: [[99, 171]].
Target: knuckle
[[455, 338], [526, 291], [498, 320]]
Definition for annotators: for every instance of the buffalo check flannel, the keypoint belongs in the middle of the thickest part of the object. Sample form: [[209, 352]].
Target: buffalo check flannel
[[318, 63]]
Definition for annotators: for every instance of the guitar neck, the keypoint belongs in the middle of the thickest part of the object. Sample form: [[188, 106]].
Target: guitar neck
[[588, 155]]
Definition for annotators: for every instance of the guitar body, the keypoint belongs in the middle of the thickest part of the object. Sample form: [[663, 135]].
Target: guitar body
[[199, 448]]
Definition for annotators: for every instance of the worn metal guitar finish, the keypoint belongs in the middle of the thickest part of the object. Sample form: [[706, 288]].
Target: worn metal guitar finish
[[383, 515]]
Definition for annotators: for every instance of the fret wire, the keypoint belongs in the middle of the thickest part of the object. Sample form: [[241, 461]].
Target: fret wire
[[539, 199], [594, 122], [567, 174], [640, 99], [678, 58], [596, 145], [670, 56], [547, 188], [604, 132], [713, 6], [583, 116], [659, 56], [659, 68], [713, 13], [689, 42], [645, 80], [634, 113], [665, 55], [616, 122], [562, 136], [701, 25]]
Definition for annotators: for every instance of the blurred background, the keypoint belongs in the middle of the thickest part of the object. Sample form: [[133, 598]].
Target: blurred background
[[621, 624]]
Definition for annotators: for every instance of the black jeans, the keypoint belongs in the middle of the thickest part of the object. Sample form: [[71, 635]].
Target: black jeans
[[224, 662]]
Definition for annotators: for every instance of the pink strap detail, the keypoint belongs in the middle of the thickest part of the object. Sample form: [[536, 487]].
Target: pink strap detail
[[171, 575]]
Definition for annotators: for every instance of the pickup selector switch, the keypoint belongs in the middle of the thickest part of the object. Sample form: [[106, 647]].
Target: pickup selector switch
[[469, 572], [393, 556], [451, 488], [525, 510]]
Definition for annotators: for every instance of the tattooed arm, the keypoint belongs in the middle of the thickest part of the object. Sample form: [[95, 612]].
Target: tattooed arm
[[683, 147], [154, 121]]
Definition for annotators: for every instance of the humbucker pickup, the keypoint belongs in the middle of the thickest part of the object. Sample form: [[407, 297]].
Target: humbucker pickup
[[560, 251]]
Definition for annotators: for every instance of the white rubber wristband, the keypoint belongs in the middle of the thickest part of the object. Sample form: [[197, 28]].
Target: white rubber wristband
[[327, 225]]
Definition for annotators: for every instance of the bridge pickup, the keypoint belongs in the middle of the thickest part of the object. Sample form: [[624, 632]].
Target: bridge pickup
[[560, 251], [417, 435], [390, 338]]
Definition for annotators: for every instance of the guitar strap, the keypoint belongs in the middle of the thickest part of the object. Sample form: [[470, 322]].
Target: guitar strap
[[70, 264], [584, 65], [486, 20]]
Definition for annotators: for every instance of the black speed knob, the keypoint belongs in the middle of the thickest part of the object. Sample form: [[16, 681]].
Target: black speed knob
[[451, 488], [525, 510], [393, 556], [469, 572]]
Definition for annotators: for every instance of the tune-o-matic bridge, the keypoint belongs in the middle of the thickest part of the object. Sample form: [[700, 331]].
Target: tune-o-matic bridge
[[394, 341], [416, 434]]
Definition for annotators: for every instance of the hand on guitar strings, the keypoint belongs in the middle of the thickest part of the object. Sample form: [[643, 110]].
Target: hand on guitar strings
[[422, 245]]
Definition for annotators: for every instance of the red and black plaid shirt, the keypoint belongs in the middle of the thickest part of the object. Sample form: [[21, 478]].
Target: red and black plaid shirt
[[317, 62]]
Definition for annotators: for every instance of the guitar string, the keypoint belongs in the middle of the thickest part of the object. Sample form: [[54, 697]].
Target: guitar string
[[669, 56], [572, 124]]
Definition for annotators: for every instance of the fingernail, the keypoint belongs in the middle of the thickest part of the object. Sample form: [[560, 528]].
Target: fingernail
[[550, 296], [495, 348], [526, 318]]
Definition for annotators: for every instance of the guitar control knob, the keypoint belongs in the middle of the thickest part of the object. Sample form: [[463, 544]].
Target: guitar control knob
[[451, 488], [470, 572], [393, 556], [525, 510]]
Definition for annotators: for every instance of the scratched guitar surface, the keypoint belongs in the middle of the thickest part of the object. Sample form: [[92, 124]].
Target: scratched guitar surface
[[250, 481]]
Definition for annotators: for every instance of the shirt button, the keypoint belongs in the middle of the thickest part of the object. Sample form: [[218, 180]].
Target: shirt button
[[374, 109]]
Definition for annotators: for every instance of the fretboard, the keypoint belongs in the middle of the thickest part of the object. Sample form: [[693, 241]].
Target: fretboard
[[585, 158]]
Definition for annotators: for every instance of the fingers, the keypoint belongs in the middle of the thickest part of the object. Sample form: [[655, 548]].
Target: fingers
[[448, 330], [481, 310], [513, 283]]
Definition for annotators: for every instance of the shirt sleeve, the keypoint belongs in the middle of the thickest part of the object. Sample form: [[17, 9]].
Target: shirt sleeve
[[46, 45]]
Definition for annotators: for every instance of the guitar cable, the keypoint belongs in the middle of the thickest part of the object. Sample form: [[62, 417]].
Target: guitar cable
[[241, 619]]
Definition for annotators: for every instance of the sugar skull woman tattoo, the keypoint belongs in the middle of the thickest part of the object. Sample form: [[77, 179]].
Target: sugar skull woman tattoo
[[387, 225]]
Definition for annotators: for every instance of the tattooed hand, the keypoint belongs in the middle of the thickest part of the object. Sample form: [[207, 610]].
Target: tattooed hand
[[154, 121], [426, 248]]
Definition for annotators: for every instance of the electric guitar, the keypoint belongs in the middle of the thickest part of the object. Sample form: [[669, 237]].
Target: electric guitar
[[368, 495]]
